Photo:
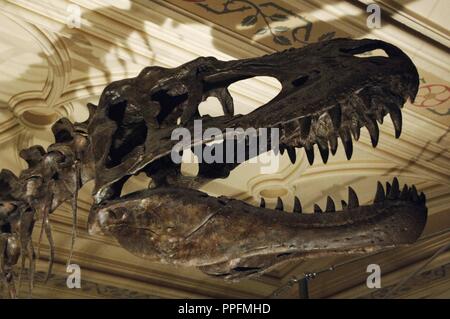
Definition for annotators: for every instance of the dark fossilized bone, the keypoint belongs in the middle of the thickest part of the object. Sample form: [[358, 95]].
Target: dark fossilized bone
[[328, 92]]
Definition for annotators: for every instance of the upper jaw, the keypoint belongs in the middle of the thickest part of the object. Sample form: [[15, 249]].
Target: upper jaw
[[230, 238], [327, 93]]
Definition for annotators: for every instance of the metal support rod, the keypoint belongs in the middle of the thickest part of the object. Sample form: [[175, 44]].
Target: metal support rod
[[303, 288], [289, 284], [396, 288]]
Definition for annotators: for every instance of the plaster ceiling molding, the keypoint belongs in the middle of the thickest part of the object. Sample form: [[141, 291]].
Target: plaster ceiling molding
[[271, 186], [172, 38], [13, 147], [265, 22], [95, 65], [437, 196], [202, 36], [424, 16], [90, 289], [35, 108], [16, 75], [97, 29], [9, 126]]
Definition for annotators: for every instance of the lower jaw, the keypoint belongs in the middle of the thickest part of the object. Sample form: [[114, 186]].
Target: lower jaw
[[188, 227]]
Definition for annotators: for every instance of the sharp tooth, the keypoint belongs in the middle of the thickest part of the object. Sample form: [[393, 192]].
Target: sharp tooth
[[309, 149], [396, 116], [279, 204], [347, 142], [405, 193], [305, 126], [388, 188], [414, 195], [373, 129], [330, 205], [333, 143], [348, 147], [353, 201], [422, 198], [335, 115], [297, 205], [262, 204], [317, 209], [356, 131], [291, 153], [282, 148], [395, 189], [379, 196], [344, 204], [323, 149]]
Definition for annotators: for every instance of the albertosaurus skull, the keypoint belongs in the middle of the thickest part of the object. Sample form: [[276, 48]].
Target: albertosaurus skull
[[328, 91]]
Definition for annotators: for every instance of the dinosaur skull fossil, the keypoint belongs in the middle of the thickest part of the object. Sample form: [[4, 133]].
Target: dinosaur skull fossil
[[329, 91]]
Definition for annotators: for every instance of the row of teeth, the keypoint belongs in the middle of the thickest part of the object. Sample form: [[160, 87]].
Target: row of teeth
[[324, 130], [392, 193]]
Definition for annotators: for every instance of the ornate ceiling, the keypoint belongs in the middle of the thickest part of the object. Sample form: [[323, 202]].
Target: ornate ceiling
[[52, 67]]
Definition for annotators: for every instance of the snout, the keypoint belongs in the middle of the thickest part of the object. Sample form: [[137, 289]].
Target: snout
[[101, 220]]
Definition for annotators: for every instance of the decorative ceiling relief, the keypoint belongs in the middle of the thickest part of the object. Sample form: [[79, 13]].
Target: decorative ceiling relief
[[275, 24], [435, 98]]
